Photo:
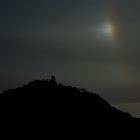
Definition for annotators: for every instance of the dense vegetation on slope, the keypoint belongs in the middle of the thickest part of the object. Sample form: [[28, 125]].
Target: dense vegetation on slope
[[68, 104]]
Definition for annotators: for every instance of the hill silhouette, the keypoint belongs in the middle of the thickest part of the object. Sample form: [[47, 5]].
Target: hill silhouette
[[70, 105]]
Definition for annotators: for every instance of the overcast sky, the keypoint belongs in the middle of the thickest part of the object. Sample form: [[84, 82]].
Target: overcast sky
[[87, 43]]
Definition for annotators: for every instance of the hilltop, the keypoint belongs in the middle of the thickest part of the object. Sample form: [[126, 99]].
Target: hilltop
[[68, 104]]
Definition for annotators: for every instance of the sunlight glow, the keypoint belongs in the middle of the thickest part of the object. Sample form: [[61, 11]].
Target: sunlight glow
[[108, 29]]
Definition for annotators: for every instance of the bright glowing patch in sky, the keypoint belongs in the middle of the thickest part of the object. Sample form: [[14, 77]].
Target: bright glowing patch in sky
[[107, 32], [108, 29]]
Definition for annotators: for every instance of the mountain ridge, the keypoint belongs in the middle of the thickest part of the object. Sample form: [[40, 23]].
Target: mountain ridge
[[62, 103]]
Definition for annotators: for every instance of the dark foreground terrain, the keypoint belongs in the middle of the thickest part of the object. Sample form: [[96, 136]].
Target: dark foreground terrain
[[67, 110]]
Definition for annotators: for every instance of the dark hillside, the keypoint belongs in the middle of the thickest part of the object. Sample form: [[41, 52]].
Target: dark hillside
[[69, 105]]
